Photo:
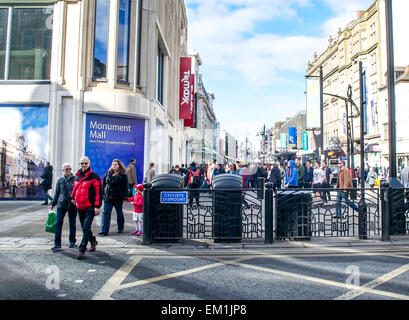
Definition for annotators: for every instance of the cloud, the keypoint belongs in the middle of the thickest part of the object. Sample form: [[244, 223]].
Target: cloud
[[225, 38], [11, 124]]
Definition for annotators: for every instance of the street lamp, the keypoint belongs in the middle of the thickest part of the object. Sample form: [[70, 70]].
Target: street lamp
[[391, 89], [262, 133]]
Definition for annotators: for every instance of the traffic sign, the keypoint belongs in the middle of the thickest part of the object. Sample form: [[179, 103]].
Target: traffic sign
[[174, 197]]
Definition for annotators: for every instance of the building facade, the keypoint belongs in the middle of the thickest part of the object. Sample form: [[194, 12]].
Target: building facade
[[364, 40], [201, 142], [97, 77]]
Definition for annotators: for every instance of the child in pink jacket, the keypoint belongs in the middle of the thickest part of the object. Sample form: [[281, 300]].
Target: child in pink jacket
[[137, 201]]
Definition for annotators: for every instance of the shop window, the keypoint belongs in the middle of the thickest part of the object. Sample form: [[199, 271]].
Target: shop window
[[101, 39], [123, 40]]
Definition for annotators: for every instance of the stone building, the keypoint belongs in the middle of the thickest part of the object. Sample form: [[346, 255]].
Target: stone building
[[106, 70], [364, 39], [201, 144]]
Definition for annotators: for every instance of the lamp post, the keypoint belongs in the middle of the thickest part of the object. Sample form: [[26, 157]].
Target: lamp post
[[362, 213], [391, 89]]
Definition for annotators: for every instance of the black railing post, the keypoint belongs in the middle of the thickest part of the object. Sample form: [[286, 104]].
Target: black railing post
[[260, 187], [386, 206], [268, 209], [147, 214], [362, 219]]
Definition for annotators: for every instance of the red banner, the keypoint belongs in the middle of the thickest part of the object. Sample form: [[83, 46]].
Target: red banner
[[186, 89], [191, 121]]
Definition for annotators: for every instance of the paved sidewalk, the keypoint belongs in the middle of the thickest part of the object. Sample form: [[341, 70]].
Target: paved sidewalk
[[22, 224]]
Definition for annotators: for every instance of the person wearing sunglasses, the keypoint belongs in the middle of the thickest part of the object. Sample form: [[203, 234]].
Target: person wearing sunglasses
[[62, 199], [87, 196]]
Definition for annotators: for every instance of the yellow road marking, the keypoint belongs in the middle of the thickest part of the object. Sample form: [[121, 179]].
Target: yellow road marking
[[115, 281], [169, 276], [374, 283], [321, 281]]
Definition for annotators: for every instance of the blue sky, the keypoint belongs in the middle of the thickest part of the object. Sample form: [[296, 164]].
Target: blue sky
[[255, 54]]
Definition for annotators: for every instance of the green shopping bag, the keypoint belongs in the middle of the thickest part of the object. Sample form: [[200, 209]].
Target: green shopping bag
[[51, 222]]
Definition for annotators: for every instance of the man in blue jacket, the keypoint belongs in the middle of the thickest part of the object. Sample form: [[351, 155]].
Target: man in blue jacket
[[291, 176]]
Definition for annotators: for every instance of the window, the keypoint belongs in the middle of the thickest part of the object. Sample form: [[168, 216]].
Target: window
[[101, 39], [139, 40], [25, 56], [159, 76], [3, 41], [123, 41], [363, 39]]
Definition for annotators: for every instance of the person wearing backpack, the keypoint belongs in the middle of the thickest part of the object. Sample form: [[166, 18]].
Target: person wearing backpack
[[193, 180]]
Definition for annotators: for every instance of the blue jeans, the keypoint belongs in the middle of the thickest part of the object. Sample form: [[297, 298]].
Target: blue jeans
[[72, 216], [343, 195], [86, 218], [46, 196], [106, 218]]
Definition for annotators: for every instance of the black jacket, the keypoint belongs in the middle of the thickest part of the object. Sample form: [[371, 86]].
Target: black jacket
[[63, 190], [48, 178], [115, 187], [275, 177]]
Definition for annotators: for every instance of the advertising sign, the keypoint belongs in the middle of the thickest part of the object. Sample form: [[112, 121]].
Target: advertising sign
[[186, 89], [313, 103], [373, 114], [364, 102], [283, 140], [23, 150], [191, 122], [108, 138], [305, 141], [317, 138], [292, 135]]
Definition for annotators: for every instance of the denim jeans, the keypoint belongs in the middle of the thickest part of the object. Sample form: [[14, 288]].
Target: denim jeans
[[72, 215], [106, 218], [46, 196], [86, 218], [343, 195]]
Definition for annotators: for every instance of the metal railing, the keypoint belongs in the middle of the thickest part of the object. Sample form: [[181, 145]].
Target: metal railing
[[233, 215]]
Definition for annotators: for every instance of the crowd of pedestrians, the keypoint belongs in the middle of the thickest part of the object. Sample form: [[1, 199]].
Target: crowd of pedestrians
[[85, 192]]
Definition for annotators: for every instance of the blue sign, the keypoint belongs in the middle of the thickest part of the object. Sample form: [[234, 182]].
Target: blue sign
[[292, 135], [305, 141], [373, 113], [364, 102], [108, 138], [174, 197]]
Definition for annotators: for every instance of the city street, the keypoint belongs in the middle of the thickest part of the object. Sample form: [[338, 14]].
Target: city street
[[123, 269]]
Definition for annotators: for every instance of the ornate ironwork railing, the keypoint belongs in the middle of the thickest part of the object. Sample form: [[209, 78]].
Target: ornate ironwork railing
[[326, 212], [231, 214]]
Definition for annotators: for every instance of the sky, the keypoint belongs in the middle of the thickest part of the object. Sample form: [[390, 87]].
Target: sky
[[255, 54], [28, 121]]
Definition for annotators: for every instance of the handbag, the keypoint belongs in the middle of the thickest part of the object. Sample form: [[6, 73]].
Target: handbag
[[98, 219], [51, 222]]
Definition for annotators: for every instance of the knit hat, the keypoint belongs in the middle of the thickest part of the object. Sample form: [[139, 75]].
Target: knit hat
[[139, 187]]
